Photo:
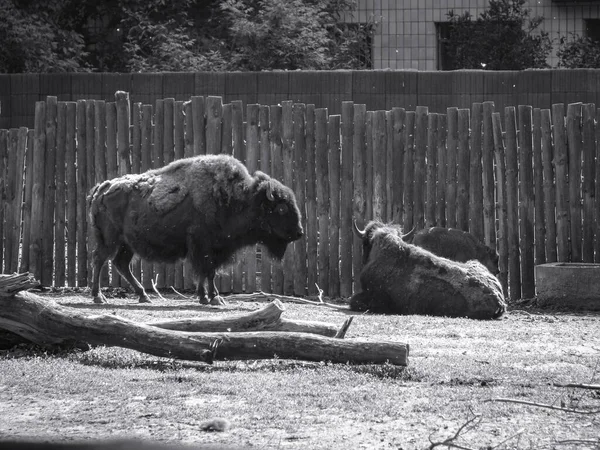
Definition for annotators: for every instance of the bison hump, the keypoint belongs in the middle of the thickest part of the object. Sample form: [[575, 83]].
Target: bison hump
[[166, 194]]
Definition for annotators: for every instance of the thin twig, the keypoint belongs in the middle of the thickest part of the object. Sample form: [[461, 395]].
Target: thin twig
[[155, 289], [286, 298], [449, 442], [181, 295], [595, 443], [541, 405], [579, 386]]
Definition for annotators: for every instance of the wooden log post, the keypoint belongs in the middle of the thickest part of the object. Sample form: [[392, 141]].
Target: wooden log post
[[252, 158], [199, 124], [299, 187], [50, 192], [3, 174], [488, 183], [589, 181], [575, 150], [431, 169], [442, 169], [123, 130], [501, 206], [90, 125], [108, 170], [168, 151], [397, 163], [265, 166], [224, 278], [312, 224], [27, 199], [323, 196], [287, 133], [239, 151], [276, 143], [61, 196], [82, 272], [136, 165], [359, 202], [561, 168], [178, 139], [346, 235], [369, 193], [538, 193], [409, 171], [526, 201], [38, 190], [334, 205], [421, 130], [512, 203], [379, 166], [549, 192], [146, 164], [451, 173], [463, 169], [597, 193], [71, 180], [476, 173]]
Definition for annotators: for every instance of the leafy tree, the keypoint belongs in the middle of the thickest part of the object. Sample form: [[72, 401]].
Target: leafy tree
[[503, 37], [579, 52], [33, 38]]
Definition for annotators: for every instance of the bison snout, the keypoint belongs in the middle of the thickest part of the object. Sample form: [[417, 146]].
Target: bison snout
[[299, 233]]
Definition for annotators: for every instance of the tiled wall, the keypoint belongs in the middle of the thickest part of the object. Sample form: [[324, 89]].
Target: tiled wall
[[405, 36]]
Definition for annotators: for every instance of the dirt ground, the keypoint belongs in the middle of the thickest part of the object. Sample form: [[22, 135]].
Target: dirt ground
[[461, 373]]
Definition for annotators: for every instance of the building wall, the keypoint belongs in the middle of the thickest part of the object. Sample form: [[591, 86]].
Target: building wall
[[405, 36]]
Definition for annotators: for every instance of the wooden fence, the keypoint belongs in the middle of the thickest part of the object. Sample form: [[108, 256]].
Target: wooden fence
[[523, 182]]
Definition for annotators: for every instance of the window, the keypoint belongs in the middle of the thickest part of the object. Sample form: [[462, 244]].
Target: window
[[444, 59], [592, 29]]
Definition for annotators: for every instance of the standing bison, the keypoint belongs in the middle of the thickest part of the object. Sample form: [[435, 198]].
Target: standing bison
[[401, 278], [456, 245], [202, 209]]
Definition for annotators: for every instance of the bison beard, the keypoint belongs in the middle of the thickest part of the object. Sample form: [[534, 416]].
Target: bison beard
[[203, 209], [401, 278]]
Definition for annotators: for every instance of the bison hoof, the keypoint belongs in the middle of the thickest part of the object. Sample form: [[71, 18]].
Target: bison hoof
[[218, 300], [203, 300], [144, 299], [99, 298]]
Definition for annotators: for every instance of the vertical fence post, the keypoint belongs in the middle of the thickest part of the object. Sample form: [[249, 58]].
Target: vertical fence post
[[27, 199], [476, 173], [421, 130], [463, 170], [488, 184], [82, 257], [379, 165], [168, 151], [526, 202], [38, 191], [369, 192], [265, 166], [71, 180], [50, 192], [323, 196], [288, 180], [409, 171], [431, 189], [136, 164], [501, 205], [451, 159], [359, 203], [441, 171], [252, 156], [145, 165], [346, 200], [276, 142], [574, 147], [334, 205], [239, 151], [561, 181], [3, 174], [538, 194], [61, 199], [312, 226], [89, 175], [597, 192], [512, 203], [109, 168], [397, 163], [549, 193], [11, 228], [589, 180], [123, 129], [224, 279], [299, 155]]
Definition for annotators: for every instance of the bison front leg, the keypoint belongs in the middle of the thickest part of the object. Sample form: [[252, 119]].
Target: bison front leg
[[211, 295]]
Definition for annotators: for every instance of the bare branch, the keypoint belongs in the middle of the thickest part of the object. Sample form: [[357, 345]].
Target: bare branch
[[579, 386], [449, 442], [155, 289], [181, 295], [541, 405]]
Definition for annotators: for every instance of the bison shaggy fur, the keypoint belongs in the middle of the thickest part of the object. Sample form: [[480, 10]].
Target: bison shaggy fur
[[401, 278], [457, 245], [203, 209]]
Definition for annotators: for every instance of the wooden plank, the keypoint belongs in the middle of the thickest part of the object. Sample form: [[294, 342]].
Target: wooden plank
[[3, 175], [597, 194], [11, 206], [323, 196], [538, 193], [38, 191], [288, 179], [421, 130], [276, 143], [158, 160], [451, 173], [369, 166], [561, 182], [347, 189], [89, 176], [123, 137], [334, 193], [19, 197], [239, 151], [512, 203], [110, 171], [589, 180], [300, 261], [265, 166], [178, 141], [526, 200], [100, 142], [501, 203], [379, 165], [488, 183], [312, 226], [27, 199], [71, 180], [199, 124], [463, 170], [575, 149], [146, 164], [81, 119], [136, 164], [359, 203], [50, 193], [409, 171], [188, 131], [476, 173], [549, 192], [61, 197], [252, 158], [224, 280], [431, 189], [389, 164], [214, 112], [397, 163], [441, 171]]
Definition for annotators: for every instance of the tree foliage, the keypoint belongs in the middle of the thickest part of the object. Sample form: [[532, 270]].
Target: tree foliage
[[503, 37], [579, 52]]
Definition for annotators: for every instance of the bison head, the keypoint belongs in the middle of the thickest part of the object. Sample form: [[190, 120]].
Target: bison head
[[366, 235], [280, 221]]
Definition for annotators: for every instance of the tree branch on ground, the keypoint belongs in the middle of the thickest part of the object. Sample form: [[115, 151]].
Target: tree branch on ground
[[542, 405]]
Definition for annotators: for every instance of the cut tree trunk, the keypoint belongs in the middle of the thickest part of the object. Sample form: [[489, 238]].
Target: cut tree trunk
[[44, 322]]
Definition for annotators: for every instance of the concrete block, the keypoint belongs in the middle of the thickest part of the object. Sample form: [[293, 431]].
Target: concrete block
[[568, 285]]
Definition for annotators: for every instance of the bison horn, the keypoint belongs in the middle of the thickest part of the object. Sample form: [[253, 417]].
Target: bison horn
[[357, 231], [409, 235], [270, 192]]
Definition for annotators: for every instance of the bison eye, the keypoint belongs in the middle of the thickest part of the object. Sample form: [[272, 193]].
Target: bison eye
[[281, 209]]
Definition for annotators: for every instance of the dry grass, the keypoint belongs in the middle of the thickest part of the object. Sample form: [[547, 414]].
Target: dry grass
[[455, 366]]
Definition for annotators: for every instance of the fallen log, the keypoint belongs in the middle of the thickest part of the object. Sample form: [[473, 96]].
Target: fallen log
[[44, 322]]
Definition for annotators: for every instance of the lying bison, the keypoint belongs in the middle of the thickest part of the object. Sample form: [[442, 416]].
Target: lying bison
[[456, 245], [401, 278], [202, 209]]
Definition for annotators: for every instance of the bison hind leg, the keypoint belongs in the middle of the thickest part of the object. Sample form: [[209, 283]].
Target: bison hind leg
[[121, 262]]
